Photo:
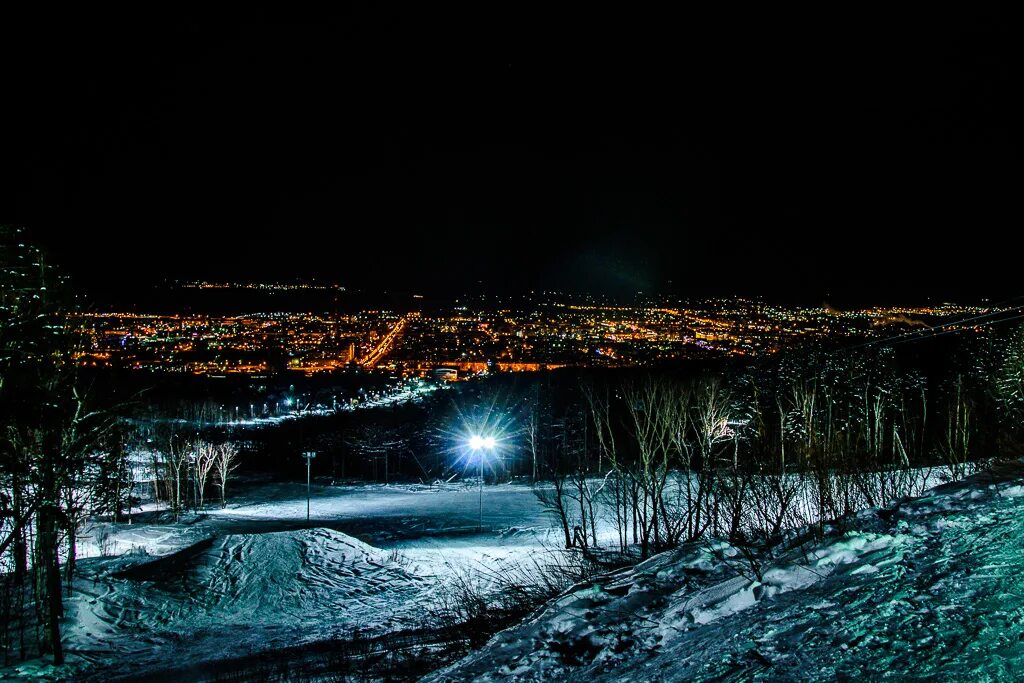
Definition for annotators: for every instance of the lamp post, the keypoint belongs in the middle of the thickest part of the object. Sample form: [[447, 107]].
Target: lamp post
[[479, 444], [308, 455]]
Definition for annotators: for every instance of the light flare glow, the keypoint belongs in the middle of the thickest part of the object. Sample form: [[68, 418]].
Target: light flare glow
[[477, 442]]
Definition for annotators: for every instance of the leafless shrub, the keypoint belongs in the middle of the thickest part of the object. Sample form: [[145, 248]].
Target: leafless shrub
[[481, 599]]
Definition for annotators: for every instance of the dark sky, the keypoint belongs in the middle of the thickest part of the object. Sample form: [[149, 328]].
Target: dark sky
[[811, 155]]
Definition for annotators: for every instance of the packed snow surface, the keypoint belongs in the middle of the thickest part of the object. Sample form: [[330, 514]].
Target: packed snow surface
[[930, 589]]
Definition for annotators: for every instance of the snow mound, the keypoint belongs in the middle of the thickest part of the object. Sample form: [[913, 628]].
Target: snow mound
[[282, 576], [928, 589], [246, 593]]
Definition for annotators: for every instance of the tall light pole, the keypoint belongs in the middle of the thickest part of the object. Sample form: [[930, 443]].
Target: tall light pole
[[478, 445], [308, 455]]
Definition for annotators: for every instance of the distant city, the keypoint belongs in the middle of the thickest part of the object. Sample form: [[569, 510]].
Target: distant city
[[483, 334]]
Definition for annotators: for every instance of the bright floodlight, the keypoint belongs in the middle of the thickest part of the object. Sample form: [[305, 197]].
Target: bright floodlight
[[476, 442]]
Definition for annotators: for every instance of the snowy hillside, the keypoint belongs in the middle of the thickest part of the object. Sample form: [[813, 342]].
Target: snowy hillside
[[930, 589]]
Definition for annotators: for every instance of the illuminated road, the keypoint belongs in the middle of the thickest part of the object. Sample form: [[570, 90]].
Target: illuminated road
[[382, 349]]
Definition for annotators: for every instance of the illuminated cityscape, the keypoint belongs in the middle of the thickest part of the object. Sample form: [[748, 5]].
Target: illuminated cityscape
[[533, 333]]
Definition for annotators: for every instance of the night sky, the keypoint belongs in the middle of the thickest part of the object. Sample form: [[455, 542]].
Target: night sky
[[807, 156]]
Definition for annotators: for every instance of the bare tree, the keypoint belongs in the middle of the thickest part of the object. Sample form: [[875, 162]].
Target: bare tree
[[204, 455], [956, 438], [532, 432], [584, 491], [650, 405], [709, 421], [225, 462], [178, 455], [551, 449], [554, 500]]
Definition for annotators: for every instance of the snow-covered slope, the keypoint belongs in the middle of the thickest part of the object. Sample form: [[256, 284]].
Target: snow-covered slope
[[932, 589]]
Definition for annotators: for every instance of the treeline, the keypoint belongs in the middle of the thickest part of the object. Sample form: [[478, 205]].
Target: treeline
[[745, 454]]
